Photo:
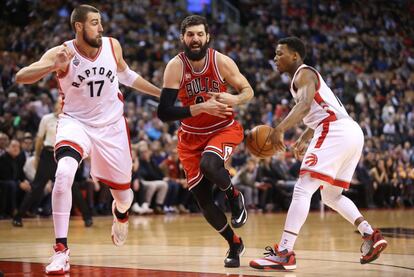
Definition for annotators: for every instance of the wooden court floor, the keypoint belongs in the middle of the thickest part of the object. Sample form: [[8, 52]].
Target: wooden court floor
[[184, 245]]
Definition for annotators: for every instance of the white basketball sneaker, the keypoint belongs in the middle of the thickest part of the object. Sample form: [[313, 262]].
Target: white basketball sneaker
[[59, 261], [119, 228]]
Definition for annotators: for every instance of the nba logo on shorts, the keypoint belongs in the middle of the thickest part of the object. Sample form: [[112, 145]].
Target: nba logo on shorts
[[311, 160]]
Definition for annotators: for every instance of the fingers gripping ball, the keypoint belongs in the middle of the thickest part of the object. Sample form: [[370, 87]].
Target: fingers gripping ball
[[258, 142]]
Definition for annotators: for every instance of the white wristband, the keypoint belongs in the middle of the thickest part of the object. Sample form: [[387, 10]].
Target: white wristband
[[127, 77]]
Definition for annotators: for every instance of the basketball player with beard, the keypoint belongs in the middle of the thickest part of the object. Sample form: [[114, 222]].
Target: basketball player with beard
[[89, 69], [208, 133]]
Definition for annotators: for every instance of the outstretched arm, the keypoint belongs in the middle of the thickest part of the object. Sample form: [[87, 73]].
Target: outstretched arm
[[130, 78], [167, 111], [306, 81], [54, 60], [231, 74]]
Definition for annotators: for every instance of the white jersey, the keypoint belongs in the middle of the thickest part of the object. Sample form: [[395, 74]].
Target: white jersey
[[90, 87], [325, 105]]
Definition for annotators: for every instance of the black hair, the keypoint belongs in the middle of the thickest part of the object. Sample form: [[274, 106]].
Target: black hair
[[193, 20], [295, 44]]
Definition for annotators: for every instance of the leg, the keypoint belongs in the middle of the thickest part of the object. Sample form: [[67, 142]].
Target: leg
[[8, 201], [172, 194], [150, 189], [120, 207], [68, 160], [298, 210], [283, 258], [217, 219], [80, 202], [374, 243], [332, 196], [212, 167], [45, 171], [162, 189]]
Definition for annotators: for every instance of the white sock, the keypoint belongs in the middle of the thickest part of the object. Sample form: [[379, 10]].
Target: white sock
[[365, 228], [287, 241]]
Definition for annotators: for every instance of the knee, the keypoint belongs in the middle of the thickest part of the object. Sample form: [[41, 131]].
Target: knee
[[204, 201], [63, 181], [300, 192], [209, 164], [328, 199]]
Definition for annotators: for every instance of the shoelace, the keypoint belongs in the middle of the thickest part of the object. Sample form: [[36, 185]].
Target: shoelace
[[366, 247], [56, 255], [270, 251]]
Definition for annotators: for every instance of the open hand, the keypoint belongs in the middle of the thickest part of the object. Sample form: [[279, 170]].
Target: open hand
[[299, 149], [277, 138]]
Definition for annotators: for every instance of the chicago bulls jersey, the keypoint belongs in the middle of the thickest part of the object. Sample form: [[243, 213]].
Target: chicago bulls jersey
[[325, 105], [90, 87], [194, 88]]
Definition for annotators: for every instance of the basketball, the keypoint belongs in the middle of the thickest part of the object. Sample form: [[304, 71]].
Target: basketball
[[258, 142]]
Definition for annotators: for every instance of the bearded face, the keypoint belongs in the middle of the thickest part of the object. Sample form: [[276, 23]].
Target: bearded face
[[195, 41], [95, 42], [196, 51]]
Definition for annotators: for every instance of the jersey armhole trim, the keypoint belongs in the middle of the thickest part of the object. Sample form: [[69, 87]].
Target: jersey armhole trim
[[113, 51], [318, 86], [216, 68], [182, 71]]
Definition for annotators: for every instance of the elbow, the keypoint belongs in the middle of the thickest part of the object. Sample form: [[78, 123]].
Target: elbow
[[19, 78], [251, 94], [161, 114]]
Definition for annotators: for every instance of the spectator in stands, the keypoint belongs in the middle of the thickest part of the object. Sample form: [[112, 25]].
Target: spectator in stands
[[245, 180], [11, 178], [153, 180], [178, 195]]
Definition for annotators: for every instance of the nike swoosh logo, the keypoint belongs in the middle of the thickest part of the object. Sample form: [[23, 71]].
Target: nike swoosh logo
[[241, 216], [244, 210]]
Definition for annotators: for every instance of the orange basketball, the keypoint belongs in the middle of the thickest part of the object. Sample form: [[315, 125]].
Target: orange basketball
[[258, 142]]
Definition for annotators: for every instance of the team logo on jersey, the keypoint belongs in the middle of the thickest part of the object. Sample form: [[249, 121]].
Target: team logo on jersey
[[187, 77], [76, 61], [311, 160]]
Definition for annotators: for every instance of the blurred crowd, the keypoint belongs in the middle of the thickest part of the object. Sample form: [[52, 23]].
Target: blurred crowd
[[364, 51]]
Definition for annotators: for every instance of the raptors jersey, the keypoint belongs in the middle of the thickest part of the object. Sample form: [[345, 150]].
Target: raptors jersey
[[325, 105], [194, 88], [90, 87]]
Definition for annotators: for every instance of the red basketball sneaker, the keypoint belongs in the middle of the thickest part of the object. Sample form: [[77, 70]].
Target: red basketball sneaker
[[275, 260], [372, 246]]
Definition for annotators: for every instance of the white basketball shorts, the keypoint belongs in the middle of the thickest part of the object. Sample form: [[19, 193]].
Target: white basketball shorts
[[334, 152], [108, 148]]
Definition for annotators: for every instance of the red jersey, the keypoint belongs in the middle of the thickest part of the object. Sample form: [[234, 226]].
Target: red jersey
[[194, 88]]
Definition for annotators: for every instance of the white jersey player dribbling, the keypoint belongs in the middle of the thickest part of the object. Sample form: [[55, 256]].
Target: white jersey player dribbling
[[329, 161], [92, 123], [326, 158]]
